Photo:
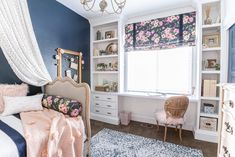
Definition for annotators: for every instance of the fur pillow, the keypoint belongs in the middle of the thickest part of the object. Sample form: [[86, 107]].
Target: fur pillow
[[11, 90]]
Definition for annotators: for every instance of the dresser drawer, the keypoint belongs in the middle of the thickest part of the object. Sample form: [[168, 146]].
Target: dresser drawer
[[106, 111], [228, 126], [229, 100], [112, 98], [105, 104], [227, 135], [227, 148]]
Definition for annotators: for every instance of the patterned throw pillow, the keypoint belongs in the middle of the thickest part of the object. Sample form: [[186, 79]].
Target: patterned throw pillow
[[67, 106]]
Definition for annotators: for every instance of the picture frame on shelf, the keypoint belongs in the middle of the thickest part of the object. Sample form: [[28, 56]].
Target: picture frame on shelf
[[109, 34], [211, 63], [212, 40]]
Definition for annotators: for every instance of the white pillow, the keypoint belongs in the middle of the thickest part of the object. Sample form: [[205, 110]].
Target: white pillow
[[15, 105]]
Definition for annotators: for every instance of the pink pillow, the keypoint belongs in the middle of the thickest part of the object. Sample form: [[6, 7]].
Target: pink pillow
[[11, 90]]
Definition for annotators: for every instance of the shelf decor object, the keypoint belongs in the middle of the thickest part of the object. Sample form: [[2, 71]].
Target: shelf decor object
[[104, 5], [209, 108], [98, 35], [209, 124], [111, 48], [208, 19]]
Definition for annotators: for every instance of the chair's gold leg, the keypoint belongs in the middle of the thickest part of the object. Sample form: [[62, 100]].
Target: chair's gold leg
[[165, 132], [157, 125], [180, 132]]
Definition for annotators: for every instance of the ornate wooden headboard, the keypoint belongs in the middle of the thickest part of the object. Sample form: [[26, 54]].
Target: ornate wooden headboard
[[68, 88]]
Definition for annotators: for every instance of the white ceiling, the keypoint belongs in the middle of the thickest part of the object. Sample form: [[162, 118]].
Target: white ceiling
[[132, 8]]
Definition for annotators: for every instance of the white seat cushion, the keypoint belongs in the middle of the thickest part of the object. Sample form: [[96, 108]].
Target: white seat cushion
[[161, 118]]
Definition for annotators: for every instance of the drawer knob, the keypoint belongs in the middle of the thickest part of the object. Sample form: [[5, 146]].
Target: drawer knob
[[97, 111], [208, 124], [109, 98], [231, 104], [109, 106], [97, 104], [109, 113], [229, 128], [97, 97]]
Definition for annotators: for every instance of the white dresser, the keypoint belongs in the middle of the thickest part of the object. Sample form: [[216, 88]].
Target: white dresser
[[105, 108], [226, 147]]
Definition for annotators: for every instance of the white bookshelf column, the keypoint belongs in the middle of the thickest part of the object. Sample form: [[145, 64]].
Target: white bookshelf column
[[105, 71], [210, 73]]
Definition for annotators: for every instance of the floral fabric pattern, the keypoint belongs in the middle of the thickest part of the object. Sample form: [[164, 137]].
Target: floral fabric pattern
[[129, 34], [67, 106], [161, 33], [189, 28]]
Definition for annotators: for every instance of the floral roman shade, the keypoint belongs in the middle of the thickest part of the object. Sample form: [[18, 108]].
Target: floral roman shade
[[161, 33]]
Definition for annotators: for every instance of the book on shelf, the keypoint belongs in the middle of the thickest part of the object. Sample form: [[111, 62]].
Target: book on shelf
[[209, 88]]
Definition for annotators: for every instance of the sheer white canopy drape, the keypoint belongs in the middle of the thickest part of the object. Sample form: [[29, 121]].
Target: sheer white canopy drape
[[18, 43]]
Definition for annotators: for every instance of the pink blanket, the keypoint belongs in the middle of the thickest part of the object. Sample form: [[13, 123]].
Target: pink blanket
[[51, 134]]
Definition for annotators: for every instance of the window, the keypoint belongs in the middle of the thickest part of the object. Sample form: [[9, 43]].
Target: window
[[167, 71]]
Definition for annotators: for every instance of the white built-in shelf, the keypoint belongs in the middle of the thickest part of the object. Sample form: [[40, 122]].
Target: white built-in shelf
[[105, 40], [207, 132], [211, 49], [105, 56], [211, 72], [109, 93], [210, 98], [215, 25], [105, 72], [209, 115]]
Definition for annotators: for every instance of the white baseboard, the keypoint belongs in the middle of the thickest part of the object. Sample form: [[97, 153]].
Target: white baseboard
[[106, 119], [134, 117], [206, 136]]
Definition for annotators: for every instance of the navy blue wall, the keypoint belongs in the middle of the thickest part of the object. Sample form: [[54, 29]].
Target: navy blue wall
[[55, 26]]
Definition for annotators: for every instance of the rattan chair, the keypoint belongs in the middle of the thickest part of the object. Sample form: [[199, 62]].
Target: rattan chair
[[173, 113]]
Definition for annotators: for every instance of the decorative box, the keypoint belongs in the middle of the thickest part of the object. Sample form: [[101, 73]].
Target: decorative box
[[101, 88], [209, 108], [209, 124]]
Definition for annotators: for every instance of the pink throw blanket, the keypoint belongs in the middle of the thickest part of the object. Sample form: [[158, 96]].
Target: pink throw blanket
[[51, 134]]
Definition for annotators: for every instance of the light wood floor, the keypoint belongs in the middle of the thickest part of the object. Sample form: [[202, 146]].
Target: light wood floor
[[150, 131]]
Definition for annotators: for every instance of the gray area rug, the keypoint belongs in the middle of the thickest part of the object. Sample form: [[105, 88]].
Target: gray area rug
[[110, 143]]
